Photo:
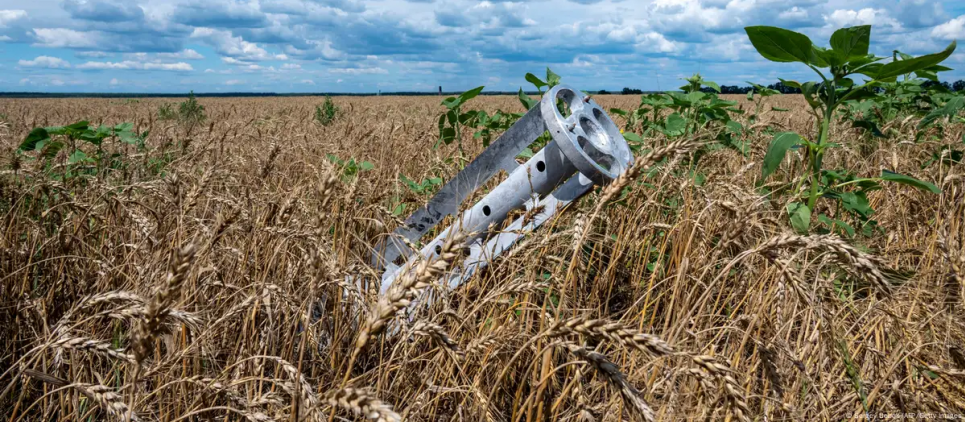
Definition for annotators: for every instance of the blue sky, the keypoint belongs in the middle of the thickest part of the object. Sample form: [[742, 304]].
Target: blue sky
[[416, 45]]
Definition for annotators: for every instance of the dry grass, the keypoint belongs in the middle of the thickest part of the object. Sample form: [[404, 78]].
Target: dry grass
[[221, 275]]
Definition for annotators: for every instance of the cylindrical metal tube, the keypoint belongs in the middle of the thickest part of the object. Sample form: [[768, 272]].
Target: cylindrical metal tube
[[537, 177], [524, 187]]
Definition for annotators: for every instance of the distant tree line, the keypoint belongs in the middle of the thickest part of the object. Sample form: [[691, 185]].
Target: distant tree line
[[724, 89], [784, 89]]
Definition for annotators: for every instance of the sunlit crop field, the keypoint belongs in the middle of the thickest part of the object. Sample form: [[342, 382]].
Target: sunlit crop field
[[217, 269]]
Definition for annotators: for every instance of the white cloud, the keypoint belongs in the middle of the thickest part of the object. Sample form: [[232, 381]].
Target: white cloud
[[291, 66], [235, 47], [114, 81], [4, 38], [187, 54], [877, 17], [653, 42], [794, 13], [65, 38], [92, 54], [7, 16], [234, 82], [45, 62], [688, 14], [308, 82], [132, 65], [359, 71], [623, 35], [951, 30]]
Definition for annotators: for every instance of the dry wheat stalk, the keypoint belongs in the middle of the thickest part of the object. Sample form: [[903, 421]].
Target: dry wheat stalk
[[160, 305], [106, 398], [865, 265], [407, 287], [362, 403], [92, 346], [675, 148], [437, 334], [631, 396], [613, 331]]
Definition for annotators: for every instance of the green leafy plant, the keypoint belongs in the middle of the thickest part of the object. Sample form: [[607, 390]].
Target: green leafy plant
[[46, 144], [326, 112], [846, 58], [190, 110], [758, 100], [167, 112], [350, 168], [425, 187], [696, 107], [488, 127], [451, 121]]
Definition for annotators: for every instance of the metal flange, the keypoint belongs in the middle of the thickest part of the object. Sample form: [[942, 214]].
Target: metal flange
[[590, 140]]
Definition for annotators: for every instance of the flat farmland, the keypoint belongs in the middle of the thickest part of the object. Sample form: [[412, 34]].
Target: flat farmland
[[217, 269]]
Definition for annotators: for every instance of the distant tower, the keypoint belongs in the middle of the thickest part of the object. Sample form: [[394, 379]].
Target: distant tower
[[440, 89]]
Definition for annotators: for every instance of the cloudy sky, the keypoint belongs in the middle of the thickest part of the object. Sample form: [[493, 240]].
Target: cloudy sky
[[417, 45]]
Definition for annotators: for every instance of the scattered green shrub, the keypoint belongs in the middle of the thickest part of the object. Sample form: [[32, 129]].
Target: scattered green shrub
[[327, 112]]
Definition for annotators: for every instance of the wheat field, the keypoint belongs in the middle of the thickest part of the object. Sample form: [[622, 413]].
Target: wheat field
[[210, 276]]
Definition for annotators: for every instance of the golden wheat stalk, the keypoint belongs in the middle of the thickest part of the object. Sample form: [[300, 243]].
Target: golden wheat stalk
[[362, 403]]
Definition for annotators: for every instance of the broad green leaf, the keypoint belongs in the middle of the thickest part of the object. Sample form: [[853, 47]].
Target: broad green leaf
[[869, 126], [552, 79], [675, 125], [50, 148], [902, 67], [775, 153], [908, 180], [790, 83], [779, 109], [451, 102], [525, 100], [822, 57], [72, 129], [124, 127], [33, 138], [470, 94], [533, 79], [526, 153], [800, 216], [448, 135], [951, 108], [77, 157], [781, 45], [712, 85], [466, 118], [632, 137], [366, 165], [857, 202], [870, 70], [851, 43], [750, 95], [735, 127], [927, 74], [618, 111], [845, 226]]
